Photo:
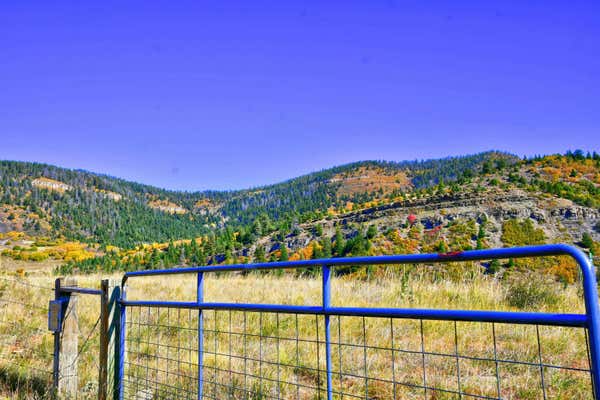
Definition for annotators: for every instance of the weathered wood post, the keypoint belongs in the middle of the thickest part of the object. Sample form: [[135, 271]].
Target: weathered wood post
[[65, 377]]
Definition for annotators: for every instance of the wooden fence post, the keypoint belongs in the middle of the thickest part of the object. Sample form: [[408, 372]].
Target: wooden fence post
[[66, 344]]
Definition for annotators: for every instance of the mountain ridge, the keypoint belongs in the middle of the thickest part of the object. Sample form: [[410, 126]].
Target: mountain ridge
[[48, 203], [297, 198], [266, 185]]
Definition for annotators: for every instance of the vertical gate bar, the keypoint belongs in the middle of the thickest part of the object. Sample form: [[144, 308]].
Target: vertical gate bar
[[103, 370], [122, 344], [326, 305], [593, 315], [113, 342], [200, 300]]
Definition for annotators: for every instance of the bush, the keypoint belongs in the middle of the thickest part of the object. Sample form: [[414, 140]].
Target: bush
[[531, 292], [493, 267], [563, 268], [586, 241], [521, 233], [64, 269], [38, 256]]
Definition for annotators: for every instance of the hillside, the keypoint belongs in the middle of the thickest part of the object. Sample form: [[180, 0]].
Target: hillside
[[96, 221], [51, 201]]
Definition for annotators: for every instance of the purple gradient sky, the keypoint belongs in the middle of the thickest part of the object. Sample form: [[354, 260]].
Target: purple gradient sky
[[221, 95]]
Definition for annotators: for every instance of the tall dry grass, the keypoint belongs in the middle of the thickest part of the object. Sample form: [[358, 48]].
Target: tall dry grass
[[260, 356]]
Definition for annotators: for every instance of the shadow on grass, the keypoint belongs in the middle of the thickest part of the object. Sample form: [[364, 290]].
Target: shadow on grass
[[22, 384]]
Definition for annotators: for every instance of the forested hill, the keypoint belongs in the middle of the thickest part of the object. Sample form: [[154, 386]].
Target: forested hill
[[45, 200], [93, 222]]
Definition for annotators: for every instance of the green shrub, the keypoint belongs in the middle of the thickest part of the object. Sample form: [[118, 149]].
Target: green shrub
[[587, 241], [521, 233], [493, 267], [531, 292], [38, 256]]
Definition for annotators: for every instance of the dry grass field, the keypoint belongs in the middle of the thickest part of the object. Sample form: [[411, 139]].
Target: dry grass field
[[260, 355]]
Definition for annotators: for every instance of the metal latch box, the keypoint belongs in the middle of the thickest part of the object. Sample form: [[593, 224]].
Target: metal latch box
[[55, 314]]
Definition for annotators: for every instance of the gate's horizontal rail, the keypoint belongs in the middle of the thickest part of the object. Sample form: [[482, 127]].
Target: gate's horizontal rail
[[568, 320], [471, 255], [80, 290], [553, 319]]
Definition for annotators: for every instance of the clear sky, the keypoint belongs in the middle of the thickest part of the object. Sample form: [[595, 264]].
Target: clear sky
[[221, 95]]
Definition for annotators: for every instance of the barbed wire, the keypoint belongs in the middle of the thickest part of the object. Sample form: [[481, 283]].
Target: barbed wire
[[85, 342], [36, 359], [23, 283], [37, 307], [32, 332], [30, 367]]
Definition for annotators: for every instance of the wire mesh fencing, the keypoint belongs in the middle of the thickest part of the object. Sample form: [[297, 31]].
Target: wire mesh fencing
[[26, 346], [263, 355], [239, 349]]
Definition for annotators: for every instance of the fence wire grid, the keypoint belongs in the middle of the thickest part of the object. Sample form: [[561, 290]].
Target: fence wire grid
[[26, 347], [242, 350], [264, 355]]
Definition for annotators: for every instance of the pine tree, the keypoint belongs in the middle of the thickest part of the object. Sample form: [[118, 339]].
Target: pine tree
[[371, 232], [317, 252], [284, 252], [259, 254], [318, 230], [326, 247], [339, 243]]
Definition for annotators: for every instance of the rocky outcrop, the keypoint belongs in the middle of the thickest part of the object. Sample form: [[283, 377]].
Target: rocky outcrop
[[51, 184], [559, 218]]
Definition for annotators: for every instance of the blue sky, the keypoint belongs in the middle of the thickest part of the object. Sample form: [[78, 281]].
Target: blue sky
[[222, 95]]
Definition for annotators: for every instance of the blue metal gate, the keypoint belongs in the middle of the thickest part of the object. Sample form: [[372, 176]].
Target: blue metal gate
[[201, 349]]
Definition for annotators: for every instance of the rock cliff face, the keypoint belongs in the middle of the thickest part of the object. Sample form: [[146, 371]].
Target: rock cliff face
[[561, 219]]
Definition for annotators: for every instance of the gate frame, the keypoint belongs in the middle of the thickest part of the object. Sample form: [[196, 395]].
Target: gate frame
[[590, 320]]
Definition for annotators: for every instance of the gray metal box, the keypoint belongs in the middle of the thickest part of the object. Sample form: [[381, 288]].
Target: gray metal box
[[55, 314]]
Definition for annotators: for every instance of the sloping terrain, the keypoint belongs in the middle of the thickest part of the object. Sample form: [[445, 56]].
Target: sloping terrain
[[96, 222]]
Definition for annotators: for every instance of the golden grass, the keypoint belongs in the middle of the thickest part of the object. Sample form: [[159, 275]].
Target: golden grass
[[267, 355], [26, 346]]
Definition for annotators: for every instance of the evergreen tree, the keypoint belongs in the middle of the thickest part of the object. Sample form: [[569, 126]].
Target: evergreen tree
[[371, 232], [339, 243], [317, 251], [284, 252], [326, 247], [318, 230], [259, 254]]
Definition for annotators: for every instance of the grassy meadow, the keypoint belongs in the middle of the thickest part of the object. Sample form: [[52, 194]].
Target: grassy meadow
[[261, 356]]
